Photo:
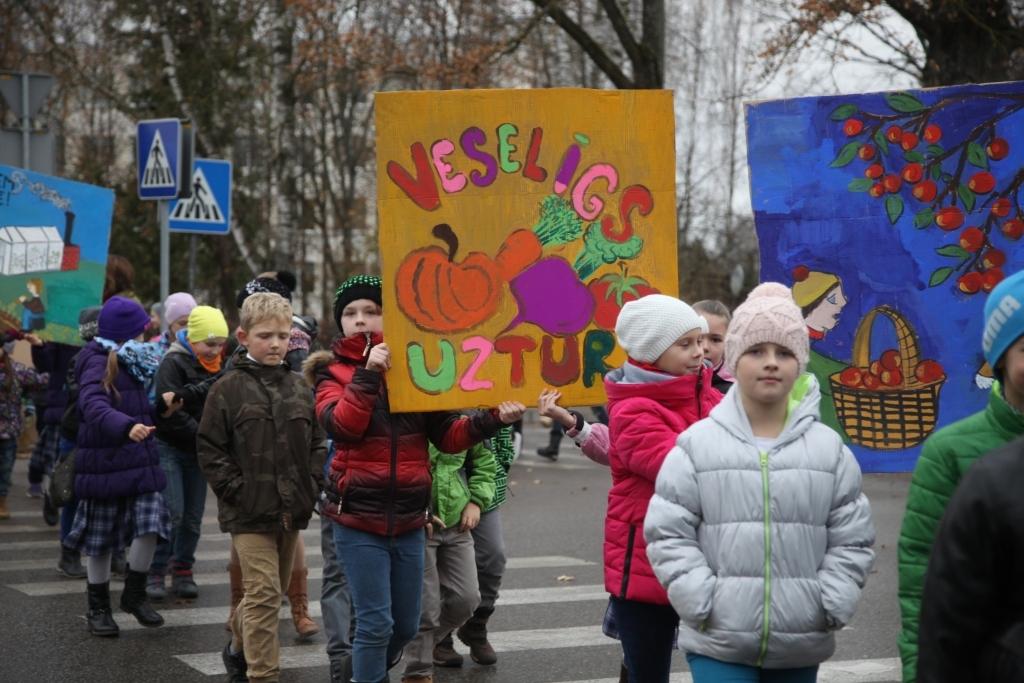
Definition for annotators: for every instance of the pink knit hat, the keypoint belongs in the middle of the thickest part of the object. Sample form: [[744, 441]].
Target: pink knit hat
[[768, 315]]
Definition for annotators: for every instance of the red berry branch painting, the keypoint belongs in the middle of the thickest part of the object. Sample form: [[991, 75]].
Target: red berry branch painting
[[959, 184]]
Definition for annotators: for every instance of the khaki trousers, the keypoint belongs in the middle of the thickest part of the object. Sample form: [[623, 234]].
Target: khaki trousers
[[266, 561]]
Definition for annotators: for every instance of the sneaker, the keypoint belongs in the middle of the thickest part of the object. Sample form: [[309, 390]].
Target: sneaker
[[235, 665], [183, 585], [156, 590], [35, 491], [51, 513]]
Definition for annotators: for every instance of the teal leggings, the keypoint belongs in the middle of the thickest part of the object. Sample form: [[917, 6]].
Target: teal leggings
[[707, 670]]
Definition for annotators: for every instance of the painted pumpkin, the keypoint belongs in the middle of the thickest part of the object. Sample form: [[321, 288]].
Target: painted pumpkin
[[440, 295]]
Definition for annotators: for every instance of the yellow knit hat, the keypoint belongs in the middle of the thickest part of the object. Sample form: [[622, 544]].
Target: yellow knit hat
[[811, 286], [206, 323]]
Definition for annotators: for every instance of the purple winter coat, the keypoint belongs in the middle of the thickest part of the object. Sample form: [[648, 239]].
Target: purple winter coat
[[54, 358], [108, 464]]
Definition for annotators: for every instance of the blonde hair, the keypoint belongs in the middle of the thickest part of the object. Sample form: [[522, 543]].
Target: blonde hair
[[263, 306], [110, 375], [713, 307]]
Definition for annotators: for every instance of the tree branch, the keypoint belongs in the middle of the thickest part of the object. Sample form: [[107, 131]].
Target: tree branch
[[625, 34], [589, 45]]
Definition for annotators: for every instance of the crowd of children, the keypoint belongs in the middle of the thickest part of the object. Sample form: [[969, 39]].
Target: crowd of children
[[736, 529]]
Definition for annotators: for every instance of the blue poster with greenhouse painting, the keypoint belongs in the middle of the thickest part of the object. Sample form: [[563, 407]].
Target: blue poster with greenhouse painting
[[891, 215], [54, 235]]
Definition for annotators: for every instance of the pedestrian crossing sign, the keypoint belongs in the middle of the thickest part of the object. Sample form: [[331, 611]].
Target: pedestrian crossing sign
[[208, 210], [158, 154]]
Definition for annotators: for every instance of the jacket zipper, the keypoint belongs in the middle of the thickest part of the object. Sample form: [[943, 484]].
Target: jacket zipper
[[629, 561], [767, 558], [700, 383]]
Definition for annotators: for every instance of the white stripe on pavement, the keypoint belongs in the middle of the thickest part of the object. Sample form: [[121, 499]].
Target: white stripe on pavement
[[305, 656], [849, 671], [212, 537], [69, 586], [204, 616]]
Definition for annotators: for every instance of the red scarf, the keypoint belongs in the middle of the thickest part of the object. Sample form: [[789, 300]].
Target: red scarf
[[815, 335]]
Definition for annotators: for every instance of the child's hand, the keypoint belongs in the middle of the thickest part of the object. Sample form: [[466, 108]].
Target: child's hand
[[33, 339], [470, 517], [173, 402], [435, 522], [510, 412], [140, 432], [379, 359], [548, 406]]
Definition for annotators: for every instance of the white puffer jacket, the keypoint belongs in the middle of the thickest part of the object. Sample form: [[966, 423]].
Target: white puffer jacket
[[763, 555]]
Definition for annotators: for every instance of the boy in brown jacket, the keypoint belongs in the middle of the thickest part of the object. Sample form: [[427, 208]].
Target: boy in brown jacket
[[262, 452]]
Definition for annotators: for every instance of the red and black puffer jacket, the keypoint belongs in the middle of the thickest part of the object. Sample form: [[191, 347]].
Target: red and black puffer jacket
[[380, 474]]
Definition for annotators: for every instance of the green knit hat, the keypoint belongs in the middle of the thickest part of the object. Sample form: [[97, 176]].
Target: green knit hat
[[356, 287]]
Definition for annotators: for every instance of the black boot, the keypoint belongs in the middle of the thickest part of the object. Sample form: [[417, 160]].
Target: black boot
[[51, 513], [474, 634], [133, 599], [101, 622], [551, 450], [445, 654], [70, 564], [235, 665]]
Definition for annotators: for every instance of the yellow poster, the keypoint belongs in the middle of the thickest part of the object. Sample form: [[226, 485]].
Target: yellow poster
[[514, 224]]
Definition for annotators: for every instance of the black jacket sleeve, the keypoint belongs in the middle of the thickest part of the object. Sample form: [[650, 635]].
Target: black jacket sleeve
[[179, 429]]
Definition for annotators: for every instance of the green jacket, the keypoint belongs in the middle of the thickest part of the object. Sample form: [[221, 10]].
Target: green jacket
[[943, 462], [451, 493], [504, 452]]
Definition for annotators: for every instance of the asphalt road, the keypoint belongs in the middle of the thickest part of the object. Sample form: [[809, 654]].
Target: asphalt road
[[546, 627]]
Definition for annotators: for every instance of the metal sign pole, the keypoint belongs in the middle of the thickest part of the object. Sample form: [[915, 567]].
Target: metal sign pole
[[163, 217]]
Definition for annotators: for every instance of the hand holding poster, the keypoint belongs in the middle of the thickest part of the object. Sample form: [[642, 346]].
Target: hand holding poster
[[514, 224]]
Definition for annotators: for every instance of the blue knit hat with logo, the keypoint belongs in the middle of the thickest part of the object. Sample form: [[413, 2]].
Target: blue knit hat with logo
[[1004, 318]]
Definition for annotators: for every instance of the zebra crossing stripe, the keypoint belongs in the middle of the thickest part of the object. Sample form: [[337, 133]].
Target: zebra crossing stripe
[[218, 578], [306, 656], [309, 535], [205, 616]]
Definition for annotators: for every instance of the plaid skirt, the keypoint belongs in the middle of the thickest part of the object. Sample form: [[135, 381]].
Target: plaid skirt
[[103, 526]]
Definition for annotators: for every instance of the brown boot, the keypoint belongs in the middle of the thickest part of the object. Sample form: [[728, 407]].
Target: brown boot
[[4, 514], [474, 634], [299, 601], [237, 591]]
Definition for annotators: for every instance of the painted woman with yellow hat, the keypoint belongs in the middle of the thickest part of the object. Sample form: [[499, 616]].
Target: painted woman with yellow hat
[[821, 299]]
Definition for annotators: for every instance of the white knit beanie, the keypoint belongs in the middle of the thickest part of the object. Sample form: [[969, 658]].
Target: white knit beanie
[[649, 325], [768, 315]]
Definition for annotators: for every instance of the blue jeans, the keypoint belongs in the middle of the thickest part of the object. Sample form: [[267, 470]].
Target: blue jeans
[[647, 632], [385, 576], [707, 670], [186, 498], [8, 451]]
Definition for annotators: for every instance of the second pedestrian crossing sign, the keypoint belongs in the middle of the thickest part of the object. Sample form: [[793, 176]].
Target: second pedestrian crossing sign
[[208, 210]]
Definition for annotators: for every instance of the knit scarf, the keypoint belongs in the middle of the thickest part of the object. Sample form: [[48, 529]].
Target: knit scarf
[[138, 359]]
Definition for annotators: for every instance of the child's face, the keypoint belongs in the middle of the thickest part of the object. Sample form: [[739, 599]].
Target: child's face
[[33, 290], [1012, 364], [766, 373], [178, 325], [714, 340], [684, 357], [267, 341], [362, 315], [209, 349]]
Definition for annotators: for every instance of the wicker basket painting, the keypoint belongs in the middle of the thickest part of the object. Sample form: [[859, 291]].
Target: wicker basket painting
[[887, 417]]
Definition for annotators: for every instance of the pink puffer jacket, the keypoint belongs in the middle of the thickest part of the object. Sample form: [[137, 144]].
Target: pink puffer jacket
[[647, 412]]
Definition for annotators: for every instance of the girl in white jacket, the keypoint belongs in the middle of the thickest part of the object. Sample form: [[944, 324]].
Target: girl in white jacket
[[758, 528]]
